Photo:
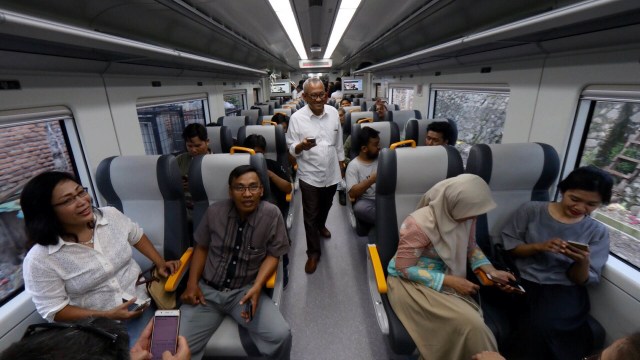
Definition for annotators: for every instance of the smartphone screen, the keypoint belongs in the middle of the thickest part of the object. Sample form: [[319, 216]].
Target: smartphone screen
[[165, 333]]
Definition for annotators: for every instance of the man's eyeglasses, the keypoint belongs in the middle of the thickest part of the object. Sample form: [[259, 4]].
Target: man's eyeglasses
[[318, 96], [241, 189], [36, 328], [82, 194]]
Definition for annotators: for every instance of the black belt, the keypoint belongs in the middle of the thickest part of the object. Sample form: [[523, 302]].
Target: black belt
[[216, 287]]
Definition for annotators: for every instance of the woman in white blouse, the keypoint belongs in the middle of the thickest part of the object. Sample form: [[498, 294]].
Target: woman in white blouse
[[79, 264]]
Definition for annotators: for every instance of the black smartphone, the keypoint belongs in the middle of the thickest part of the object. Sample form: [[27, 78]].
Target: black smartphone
[[248, 309], [512, 283], [311, 140], [137, 306], [164, 337]]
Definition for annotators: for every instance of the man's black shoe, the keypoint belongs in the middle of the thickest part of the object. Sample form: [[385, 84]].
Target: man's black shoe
[[342, 197]]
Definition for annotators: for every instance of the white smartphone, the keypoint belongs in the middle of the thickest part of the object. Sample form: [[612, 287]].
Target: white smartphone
[[165, 333], [581, 246]]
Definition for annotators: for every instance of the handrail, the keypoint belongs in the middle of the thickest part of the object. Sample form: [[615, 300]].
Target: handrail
[[241, 149], [377, 268], [269, 122], [402, 143], [364, 120]]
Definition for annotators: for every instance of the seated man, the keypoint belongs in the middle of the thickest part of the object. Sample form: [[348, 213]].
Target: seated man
[[438, 133], [361, 176], [345, 102], [196, 140], [381, 110], [237, 246]]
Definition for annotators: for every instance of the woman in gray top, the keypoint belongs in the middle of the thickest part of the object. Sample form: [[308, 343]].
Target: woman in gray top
[[558, 249]]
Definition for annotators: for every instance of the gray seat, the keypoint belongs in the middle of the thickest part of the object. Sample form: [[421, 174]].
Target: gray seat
[[265, 109], [404, 175], [352, 108], [286, 111], [148, 189], [252, 114], [220, 139], [401, 117], [208, 176], [416, 130], [233, 123], [351, 118], [265, 118]]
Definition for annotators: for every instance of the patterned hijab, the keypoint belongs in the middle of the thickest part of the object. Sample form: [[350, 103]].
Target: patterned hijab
[[459, 197]]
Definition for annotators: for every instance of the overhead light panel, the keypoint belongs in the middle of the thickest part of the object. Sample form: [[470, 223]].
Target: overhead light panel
[[345, 14], [284, 12]]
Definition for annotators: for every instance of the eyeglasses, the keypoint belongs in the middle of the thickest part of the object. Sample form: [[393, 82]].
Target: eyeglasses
[[241, 189], [82, 194], [35, 328], [318, 96]]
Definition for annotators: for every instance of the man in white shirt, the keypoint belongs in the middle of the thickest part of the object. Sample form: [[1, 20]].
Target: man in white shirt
[[314, 137]]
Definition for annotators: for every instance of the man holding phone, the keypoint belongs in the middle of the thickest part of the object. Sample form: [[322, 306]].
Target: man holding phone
[[237, 246], [315, 139]]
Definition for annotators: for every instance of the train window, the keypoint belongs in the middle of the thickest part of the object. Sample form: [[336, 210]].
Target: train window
[[402, 96], [31, 141], [234, 102], [162, 123], [479, 112], [609, 130]]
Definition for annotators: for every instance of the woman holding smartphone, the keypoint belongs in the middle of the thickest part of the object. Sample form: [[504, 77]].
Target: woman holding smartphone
[[79, 262], [554, 271]]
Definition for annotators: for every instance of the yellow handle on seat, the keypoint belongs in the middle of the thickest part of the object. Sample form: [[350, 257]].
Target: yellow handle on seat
[[401, 143], [377, 268], [288, 197], [269, 122], [272, 280], [364, 120], [174, 279], [241, 149]]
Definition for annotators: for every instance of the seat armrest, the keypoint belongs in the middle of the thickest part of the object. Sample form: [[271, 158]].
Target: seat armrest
[[377, 269], [174, 279]]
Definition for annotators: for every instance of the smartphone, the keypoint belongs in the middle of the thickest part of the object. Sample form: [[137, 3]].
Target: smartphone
[[136, 306], [248, 309], [165, 333], [581, 246], [514, 284], [311, 140]]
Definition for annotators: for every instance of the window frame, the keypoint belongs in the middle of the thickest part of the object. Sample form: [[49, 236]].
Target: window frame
[[403, 87], [243, 98]]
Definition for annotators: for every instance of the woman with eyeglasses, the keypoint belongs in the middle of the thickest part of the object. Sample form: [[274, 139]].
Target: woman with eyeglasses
[[79, 263]]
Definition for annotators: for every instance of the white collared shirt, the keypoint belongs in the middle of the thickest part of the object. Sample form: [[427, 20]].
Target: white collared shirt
[[319, 165], [72, 274]]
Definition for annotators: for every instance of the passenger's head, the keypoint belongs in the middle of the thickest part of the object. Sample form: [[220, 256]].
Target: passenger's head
[[584, 190], [369, 141], [342, 115], [381, 109], [245, 189], [345, 102], [438, 133], [461, 198], [54, 204], [95, 339], [623, 349], [281, 119], [315, 96], [256, 142], [196, 139]]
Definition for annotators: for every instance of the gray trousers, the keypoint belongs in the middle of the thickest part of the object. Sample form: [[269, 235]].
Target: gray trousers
[[268, 329], [365, 210]]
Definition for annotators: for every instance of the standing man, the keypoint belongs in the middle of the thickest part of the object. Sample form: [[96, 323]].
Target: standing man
[[237, 245], [315, 139]]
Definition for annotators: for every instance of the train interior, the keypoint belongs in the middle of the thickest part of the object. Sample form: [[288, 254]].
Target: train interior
[[79, 81]]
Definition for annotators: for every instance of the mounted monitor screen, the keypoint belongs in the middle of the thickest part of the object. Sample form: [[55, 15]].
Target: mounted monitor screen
[[351, 86], [282, 88]]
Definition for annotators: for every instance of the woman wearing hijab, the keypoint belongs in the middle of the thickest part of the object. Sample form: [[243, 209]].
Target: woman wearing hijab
[[428, 289]]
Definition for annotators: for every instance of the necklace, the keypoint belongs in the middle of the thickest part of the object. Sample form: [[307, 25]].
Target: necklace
[[90, 241]]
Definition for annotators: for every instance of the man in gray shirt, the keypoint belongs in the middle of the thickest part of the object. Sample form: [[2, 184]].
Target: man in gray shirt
[[361, 176], [238, 243]]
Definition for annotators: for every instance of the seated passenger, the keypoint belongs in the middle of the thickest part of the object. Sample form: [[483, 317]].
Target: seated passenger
[[361, 176], [196, 140], [92, 338], [79, 264], [279, 181], [281, 119], [427, 283], [554, 272], [238, 243], [381, 110], [345, 102], [438, 133]]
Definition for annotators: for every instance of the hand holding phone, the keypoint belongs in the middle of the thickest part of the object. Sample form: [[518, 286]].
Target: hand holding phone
[[579, 246], [135, 306], [513, 283], [165, 333], [248, 309]]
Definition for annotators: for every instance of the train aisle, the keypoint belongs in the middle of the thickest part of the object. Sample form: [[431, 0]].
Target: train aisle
[[330, 312]]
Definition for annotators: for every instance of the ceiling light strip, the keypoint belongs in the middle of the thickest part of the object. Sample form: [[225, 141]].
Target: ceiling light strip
[[345, 14], [284, 12]]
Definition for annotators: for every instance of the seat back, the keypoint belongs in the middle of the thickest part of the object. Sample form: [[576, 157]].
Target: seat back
[[209, 175], [276, 143], [265, 109], [351, 118], [220, 139], [233, 123], [416, 130], [148, 189], [389, 134], [252, 114], [404, 175], [401, 117], [366, 105], [265, 118], [286, 111], [516, 173], [349, 109]]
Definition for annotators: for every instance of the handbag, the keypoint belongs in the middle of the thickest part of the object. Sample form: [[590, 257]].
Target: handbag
[[155, 282]]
